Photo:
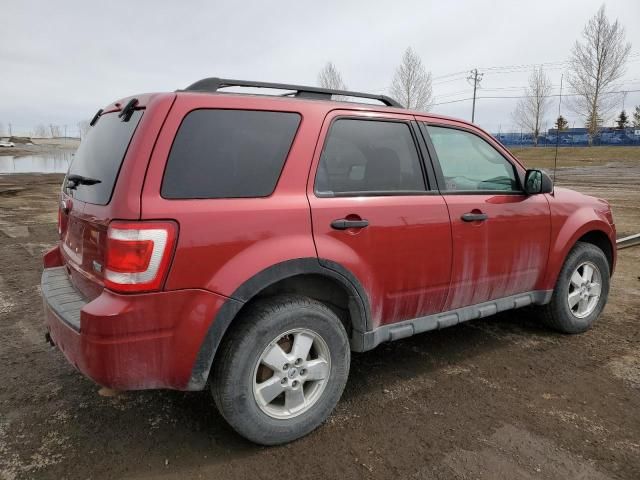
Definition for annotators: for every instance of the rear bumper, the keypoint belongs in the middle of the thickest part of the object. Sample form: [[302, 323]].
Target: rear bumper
[[128, 342]]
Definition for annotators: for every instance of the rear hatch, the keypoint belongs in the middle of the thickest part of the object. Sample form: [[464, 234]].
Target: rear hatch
[[103, 183]]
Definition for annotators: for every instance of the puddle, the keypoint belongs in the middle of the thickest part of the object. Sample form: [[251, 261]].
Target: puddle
[[54, 162]]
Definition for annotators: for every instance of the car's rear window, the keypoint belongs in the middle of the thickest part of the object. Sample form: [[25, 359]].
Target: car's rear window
[[228, 154], [100, 155]]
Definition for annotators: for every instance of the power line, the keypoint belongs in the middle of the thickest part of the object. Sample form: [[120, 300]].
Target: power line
[[456, 79], [527, 96], [517, 68], [491, 72], [627, 83], [526, 65], [449, 75]]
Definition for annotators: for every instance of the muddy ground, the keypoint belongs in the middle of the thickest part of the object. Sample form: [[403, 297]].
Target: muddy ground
[[496, 398]]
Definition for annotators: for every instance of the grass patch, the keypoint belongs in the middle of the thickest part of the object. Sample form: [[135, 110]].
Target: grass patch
[[542, 157]]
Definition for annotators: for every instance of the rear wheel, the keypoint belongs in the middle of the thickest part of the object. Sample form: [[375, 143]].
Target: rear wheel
[[282, 369], [581, 290]]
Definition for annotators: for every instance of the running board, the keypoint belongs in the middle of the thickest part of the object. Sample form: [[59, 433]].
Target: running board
[[363, 341], [626, 242]]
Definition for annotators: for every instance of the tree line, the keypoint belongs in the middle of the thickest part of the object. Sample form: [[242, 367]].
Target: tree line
[[597, 60], [52, 130]]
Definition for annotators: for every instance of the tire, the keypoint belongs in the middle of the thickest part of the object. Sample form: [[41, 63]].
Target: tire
[[241, 368], [558, 314]]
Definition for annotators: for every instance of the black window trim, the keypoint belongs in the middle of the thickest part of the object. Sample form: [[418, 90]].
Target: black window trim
[[284, 164], [425, 159], [438, 169], [428, 176]]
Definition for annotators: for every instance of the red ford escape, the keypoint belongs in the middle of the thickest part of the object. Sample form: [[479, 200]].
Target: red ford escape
[[248, 243]]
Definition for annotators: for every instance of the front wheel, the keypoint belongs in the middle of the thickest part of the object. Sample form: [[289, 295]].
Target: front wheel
[[581, 290], [282, 369]]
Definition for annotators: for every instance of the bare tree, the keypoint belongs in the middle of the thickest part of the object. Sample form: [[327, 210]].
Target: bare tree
[[56, 131], [596, 64], [329, 77], [532, 107], [1, 129], [83, 128], [40, 131], [411, 85]]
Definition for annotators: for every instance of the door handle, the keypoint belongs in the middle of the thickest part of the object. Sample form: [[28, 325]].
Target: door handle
[[474, 217], [343, 224]]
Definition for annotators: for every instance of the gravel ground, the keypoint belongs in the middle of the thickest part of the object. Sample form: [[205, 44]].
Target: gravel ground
[[496, 398]]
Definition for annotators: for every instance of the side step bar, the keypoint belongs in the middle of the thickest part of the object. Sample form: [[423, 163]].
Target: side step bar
[[363, 341], [630, 241]]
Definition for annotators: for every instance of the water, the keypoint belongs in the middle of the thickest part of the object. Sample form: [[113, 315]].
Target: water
[[52, 162]]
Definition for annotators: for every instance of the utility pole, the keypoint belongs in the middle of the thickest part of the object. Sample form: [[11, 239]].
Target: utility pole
[[475, 77], [10, 134]]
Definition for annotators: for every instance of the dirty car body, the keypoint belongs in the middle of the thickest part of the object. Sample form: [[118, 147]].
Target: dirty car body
[[183, 211]]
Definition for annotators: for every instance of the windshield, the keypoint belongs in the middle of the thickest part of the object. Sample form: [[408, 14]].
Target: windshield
[[99, 157]]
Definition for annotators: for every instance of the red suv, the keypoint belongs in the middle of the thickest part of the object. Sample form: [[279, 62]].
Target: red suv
[[248, 243]]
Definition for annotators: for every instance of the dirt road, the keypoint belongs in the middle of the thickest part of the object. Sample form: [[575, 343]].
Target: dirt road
[[496, 398]]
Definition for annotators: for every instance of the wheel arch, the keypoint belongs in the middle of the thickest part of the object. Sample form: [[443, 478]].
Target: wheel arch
[[327, 281], [601, 240], [595, 232]]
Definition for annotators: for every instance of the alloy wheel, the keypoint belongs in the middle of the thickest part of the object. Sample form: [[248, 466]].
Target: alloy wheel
[[291, 373], [585, 286]]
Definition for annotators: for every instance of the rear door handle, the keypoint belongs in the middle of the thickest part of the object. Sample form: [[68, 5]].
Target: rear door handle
[[474, 217], [343, 224]]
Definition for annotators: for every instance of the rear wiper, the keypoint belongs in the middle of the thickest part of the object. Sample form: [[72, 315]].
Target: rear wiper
[[74, 180], [128, 109], [95, 118]]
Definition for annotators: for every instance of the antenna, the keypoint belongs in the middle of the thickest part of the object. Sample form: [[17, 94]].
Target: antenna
[[555, 158]]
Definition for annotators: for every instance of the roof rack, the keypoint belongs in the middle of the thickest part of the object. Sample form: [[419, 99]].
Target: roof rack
[[214, 84]]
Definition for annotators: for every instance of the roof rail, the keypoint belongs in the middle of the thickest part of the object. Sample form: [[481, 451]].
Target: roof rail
[[214, 84]]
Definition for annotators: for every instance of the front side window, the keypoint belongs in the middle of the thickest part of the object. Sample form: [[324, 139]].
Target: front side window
[[470, 164], [369, 157], [228, 154]]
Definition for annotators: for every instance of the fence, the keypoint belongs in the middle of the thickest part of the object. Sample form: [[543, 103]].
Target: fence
[[574, 137]]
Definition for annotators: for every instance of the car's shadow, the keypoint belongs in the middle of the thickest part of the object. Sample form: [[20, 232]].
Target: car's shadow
[[185, 428]]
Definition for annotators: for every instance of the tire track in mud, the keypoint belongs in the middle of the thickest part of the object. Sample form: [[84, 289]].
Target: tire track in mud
[[22, 341], [496, 395], [19, 283]]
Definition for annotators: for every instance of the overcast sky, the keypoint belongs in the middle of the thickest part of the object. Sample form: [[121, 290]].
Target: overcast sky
[[60, 61]]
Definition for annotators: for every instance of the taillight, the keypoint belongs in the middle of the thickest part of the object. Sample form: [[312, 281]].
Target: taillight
[[138, 255]]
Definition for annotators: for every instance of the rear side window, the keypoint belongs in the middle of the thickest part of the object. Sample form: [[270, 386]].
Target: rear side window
[[228, 154], [100, 155], [369, 157]]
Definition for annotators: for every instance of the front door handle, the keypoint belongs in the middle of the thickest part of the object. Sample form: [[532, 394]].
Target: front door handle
[[474, 217], [343, 224]]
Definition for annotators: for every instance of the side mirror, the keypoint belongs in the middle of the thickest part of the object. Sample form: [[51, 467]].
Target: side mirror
[[536, 181]]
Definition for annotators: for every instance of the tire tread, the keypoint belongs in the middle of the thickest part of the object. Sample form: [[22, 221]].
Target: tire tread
[[552, 313], [223, 380]]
